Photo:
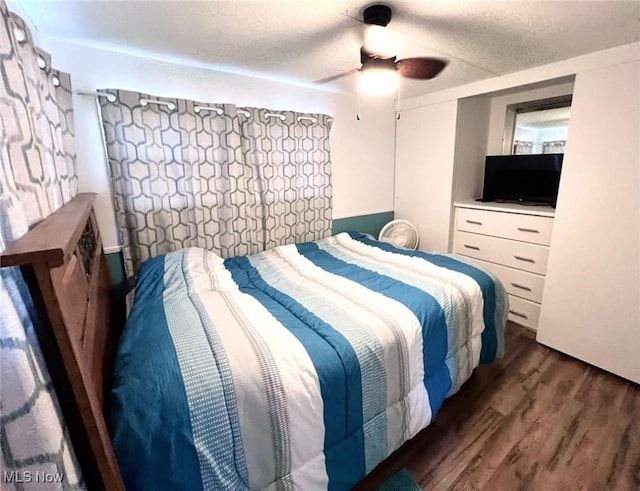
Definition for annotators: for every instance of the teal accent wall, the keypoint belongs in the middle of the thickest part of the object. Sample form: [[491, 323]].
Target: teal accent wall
[[116, 268], [118, 288], [368, 224]]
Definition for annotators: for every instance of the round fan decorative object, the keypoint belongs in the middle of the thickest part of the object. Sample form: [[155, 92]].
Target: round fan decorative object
[[400, 233]]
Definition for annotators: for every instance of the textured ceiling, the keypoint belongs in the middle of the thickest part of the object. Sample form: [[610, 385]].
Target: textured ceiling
[[305, 40]]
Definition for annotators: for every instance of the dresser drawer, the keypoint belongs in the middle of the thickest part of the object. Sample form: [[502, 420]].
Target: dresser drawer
[[524, 312], [516, 282], [519, 255], [527, 228]]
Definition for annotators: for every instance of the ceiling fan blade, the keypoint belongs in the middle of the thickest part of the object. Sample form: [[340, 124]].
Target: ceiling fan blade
[[422, 68], [335, 77]]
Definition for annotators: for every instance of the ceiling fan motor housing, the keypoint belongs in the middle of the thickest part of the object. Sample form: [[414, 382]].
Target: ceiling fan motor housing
[[369, 59], [379, 15]]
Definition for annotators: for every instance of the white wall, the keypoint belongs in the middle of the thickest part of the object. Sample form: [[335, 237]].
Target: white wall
[[471, 147], [362, 151]]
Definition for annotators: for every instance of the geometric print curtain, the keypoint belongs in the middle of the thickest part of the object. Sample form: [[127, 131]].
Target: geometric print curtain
[[37, 176], [178, 179], [291, 154], [232, 180]]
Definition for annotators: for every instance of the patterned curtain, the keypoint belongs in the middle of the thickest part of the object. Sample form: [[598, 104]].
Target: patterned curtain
[[37, 175], [231, 180], [291, 153], [178, 178], [553, 146]]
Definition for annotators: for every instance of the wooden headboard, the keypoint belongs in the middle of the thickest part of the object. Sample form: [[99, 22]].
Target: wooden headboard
[[64, 266]]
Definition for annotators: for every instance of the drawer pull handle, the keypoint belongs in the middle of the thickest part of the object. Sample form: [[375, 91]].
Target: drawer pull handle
[[472, 247], [522, 287], [530, 230], [519, 314], [473, 222], [525, 259]]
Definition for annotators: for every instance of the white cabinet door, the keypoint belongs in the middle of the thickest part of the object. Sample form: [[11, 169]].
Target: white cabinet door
[[425, 142], [591, 302]]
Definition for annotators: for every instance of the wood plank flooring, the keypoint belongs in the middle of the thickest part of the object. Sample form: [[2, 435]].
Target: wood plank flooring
[[536, 420]]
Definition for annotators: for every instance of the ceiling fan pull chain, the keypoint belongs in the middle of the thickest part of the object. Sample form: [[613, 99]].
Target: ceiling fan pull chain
[[358, 105], [398, 102]]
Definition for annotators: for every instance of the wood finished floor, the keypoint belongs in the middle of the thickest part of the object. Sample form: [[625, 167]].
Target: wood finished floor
[[536, 420]]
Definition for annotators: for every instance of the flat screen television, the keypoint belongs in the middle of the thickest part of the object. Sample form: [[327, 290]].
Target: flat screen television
[[526, 179]]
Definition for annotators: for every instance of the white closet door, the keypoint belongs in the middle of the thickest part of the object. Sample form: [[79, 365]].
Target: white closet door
[[591, 302], [425, 142]]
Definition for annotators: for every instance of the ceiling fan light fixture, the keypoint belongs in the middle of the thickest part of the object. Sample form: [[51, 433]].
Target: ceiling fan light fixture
[[382, 41], [378, 81]]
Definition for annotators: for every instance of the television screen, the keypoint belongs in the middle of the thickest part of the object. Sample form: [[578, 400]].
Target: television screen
[[522, 178]]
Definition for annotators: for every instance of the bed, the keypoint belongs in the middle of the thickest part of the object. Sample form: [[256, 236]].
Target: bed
[[300, 367]]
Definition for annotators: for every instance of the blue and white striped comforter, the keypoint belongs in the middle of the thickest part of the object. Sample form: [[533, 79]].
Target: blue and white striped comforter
[[300, 367]]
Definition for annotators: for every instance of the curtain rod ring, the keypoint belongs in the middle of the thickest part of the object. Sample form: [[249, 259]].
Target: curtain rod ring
[[19, 34], [110, 97], [170, 105], [273, 115], [218, 110]]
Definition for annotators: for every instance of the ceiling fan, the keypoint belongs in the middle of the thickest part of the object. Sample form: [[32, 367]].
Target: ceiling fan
[[379, 60]]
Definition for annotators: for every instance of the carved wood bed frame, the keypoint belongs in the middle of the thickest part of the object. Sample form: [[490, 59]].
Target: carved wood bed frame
[[64, 266]]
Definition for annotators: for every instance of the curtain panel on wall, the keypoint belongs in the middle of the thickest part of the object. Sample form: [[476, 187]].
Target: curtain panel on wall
[[178, 178], [228, 179], [37, 176], [291, 154]]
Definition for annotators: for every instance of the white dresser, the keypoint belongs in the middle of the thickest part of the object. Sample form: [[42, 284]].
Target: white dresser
[[511, 242]]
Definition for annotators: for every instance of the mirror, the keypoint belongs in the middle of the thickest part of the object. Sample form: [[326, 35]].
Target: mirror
[[538, 126]]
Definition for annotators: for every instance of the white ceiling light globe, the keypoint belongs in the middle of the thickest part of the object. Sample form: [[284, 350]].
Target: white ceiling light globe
[[378, 81], [381, 41]]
